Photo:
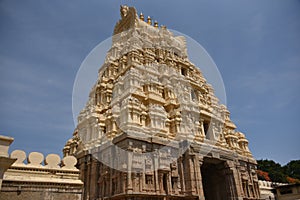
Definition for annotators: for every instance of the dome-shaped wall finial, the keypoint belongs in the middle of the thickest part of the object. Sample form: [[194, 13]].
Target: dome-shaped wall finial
[[142, 16], [149, 20]]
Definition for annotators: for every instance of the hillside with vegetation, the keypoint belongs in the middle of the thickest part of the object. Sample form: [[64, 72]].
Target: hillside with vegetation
[[269, 170]]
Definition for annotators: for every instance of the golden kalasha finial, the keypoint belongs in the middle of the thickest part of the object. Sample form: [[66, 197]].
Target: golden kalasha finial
[[156, 24], [163, 27], [149, 21], [142, 16]]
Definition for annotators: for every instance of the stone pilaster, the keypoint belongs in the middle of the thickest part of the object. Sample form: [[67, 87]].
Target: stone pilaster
[[232, 181], [156, 178], [181, 174], [129, 174], [198, 177]]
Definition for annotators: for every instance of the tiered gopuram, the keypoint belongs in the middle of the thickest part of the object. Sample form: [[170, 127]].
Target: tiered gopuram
[[153, 128]]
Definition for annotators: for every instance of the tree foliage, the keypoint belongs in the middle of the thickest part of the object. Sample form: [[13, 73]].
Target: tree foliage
[[289, 173], [292, 169]]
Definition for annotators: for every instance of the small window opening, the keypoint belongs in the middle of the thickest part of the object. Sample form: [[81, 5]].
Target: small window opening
[[183, 71]]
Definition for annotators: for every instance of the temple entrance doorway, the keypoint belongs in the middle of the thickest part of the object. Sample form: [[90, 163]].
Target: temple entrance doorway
[[213, 179]]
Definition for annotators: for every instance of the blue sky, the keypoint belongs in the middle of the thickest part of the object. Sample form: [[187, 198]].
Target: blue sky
[[255, 44]]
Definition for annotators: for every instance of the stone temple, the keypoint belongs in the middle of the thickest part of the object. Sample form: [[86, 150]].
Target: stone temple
[[153, 128]]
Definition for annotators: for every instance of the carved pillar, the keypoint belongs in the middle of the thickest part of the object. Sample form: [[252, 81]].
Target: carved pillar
[[202, 132], [88, 177], [237, 182], [128, 110], [140, 180], [110, 181], [129, 178], [160, 181], [256, 187], [155, 166], [181, 174], [239, 177], [94, 179], [143, 119], [169, 189], [230, 191], [177, 125], [232, 181], [189, 170], [198, 177], [172, 189], [193, 175], [124, 182]]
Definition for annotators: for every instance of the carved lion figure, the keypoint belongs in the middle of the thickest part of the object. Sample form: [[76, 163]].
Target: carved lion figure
[[124, 10]]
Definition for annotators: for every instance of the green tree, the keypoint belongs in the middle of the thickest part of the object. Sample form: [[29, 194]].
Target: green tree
[[292, 169], [275, 170]]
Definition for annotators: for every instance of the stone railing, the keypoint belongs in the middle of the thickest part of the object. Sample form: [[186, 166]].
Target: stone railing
[[37, 160], [37, 169], [266, 188], [269, 184], [38, 177]]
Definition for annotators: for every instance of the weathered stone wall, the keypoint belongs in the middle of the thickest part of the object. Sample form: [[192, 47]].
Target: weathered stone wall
[[42, 193]]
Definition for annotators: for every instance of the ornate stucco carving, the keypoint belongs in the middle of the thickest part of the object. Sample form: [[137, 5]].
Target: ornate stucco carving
[[152, 117], [135, 90]]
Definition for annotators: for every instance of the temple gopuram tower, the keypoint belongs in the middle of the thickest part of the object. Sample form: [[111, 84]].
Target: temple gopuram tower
[[153, 128]]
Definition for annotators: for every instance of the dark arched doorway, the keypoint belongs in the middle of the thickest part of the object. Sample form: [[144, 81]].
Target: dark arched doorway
[[213, 179]]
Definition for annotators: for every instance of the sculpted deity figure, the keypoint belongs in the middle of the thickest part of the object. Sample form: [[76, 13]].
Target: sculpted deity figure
[[124, 10]]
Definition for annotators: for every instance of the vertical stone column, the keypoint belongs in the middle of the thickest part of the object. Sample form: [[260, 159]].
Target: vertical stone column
[[94, 179], [143, 175], [160, 180], [194, 184], [256, 188], [237, 182], [129, 173], [202, 132], [114, 126], [228, 181], [129, 119], [232, 181], [198, 177], [254, 180], [101, 132], [141, 179], [190, 179], [88, 176], [143, 119], [110, 181], [181, 174], [169, 189], [124, 182], [155, 166], [239, 177], [191, 174]]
